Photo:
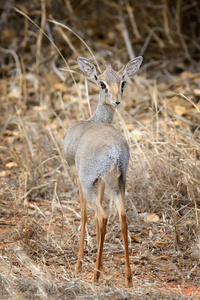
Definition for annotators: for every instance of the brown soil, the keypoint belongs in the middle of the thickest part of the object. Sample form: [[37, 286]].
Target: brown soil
[[160, 117]]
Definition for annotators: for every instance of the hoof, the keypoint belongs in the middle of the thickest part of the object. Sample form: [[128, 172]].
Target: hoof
[[78, 265], [128, 282], [95, 279], [96, 276]]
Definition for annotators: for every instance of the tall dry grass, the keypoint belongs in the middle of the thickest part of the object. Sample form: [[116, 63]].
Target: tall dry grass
[[40, 214]]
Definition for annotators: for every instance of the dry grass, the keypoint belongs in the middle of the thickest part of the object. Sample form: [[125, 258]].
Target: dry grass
[[160, 117]]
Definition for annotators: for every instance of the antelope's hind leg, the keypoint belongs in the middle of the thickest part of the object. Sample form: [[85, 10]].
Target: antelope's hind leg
[[101, 189], [101, 222], [124, 228]]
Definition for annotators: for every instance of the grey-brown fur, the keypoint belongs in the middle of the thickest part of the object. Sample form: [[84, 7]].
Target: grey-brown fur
[[99, 147], [101, 155]]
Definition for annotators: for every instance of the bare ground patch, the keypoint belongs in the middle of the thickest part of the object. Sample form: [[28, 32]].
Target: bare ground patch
[[160, 117]]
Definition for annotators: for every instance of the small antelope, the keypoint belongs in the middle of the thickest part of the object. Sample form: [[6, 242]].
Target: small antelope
[[101, 155]]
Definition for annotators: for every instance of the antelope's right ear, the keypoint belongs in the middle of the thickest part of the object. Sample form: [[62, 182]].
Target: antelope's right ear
[[89, 69], [131, 68]]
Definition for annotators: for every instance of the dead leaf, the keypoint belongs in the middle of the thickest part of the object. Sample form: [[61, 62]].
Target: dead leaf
[[40, 108], [149, 217], [196, 92], [136, 239], [15, 93], [160, 243], [47, 213], [60, 86], [180, 110], [138, 135], [186, 75], [11, 164], [8, 34], [4, 174]]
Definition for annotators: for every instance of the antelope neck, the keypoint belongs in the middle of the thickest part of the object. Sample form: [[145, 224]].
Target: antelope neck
[[103, 114]]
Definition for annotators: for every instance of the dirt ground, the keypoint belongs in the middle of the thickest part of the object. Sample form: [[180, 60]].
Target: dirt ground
[[42, 92]]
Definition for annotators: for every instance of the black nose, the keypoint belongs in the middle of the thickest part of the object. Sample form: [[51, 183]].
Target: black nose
[[117, 102]]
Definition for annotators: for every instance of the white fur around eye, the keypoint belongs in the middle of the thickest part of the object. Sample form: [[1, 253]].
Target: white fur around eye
[[103, 86]]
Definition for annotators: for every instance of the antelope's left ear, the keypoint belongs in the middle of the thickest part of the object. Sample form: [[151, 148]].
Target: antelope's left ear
[[89, 69], [131, 68]]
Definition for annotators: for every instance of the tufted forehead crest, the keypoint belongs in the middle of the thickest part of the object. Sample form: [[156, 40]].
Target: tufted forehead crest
[[110, 75]]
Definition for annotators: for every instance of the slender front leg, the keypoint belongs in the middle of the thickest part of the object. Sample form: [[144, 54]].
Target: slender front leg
[[128, 272], [83, 222], [124, 228]]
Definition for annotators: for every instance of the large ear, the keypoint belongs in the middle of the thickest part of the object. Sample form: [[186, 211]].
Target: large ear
[[131, 68], [89, 69]]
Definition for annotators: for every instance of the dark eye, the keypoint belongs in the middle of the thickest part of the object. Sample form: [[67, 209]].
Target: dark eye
[[103, 86], [123, 85]]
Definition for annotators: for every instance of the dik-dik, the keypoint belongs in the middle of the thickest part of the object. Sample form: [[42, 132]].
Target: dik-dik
[[101, 155]]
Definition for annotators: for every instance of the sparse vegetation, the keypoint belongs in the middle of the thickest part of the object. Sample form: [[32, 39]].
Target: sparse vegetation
[[160, 117]]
